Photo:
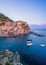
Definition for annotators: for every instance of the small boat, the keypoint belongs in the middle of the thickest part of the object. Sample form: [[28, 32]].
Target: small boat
[[29, 39], [29, 44], [42, 45]]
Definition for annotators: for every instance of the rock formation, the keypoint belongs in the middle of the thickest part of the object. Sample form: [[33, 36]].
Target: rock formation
[[9, 58], [10, 28]]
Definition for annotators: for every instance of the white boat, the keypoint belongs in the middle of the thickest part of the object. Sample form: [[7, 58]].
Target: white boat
[[42, 45], [29, 44]]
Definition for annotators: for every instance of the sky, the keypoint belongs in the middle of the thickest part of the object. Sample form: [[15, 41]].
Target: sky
[[31, 11]]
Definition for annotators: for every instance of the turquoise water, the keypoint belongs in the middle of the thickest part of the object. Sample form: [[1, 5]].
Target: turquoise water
[[34, 55]]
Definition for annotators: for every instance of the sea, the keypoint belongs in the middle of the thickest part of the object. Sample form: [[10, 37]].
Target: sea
[[29, 55]]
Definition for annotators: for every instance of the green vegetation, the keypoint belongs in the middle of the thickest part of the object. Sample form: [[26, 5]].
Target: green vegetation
[[3, 17], [9, 63]]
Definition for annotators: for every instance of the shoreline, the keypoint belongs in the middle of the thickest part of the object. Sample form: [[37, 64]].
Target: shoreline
[[21, 35]]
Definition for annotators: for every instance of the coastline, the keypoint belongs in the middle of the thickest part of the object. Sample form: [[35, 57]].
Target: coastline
[[37, 34]]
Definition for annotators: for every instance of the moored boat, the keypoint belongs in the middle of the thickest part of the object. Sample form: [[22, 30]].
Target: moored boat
[[29, 44], [42, 45], [29, 39]]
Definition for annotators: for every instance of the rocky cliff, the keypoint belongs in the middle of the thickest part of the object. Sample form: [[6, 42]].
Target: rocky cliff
[[9, 58], [10, 28]]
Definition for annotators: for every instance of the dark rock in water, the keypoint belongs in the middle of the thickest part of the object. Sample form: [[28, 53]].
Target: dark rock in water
[[40, 35]]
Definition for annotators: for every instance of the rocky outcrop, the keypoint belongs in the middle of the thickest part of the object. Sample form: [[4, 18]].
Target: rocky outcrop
[[10, 28], [9, 58], [37, 34]]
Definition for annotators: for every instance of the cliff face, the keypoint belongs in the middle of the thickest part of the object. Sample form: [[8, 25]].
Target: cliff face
[[8, 28]]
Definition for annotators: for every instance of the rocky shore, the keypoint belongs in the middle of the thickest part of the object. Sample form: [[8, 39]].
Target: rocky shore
[[37, 34], [9, 58]]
